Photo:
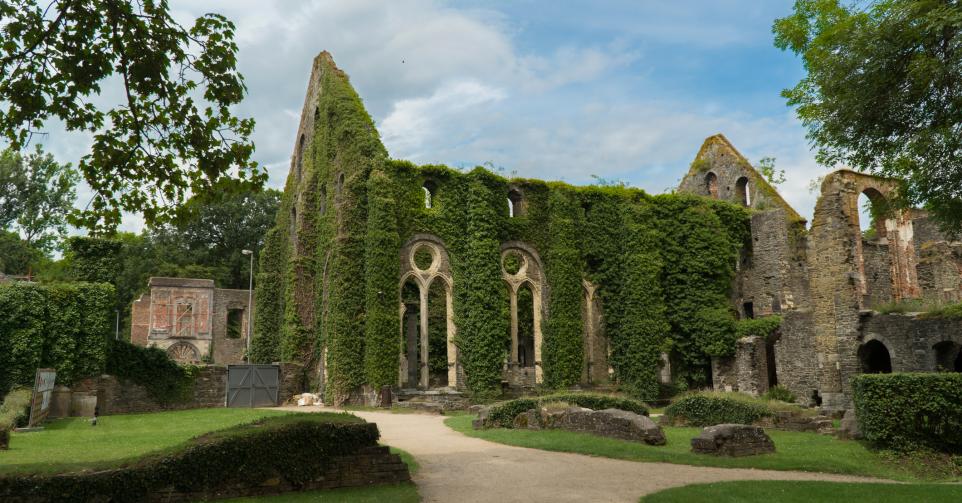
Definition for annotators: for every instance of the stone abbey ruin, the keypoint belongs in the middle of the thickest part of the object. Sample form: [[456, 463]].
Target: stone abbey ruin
[[382, 273]]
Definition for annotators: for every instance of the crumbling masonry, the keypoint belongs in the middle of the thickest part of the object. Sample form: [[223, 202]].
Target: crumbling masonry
[[823, 280]]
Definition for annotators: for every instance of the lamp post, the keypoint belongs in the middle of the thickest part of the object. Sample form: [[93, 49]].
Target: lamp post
[[250, 303]]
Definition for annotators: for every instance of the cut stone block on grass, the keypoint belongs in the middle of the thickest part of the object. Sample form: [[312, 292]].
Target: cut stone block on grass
[[733, 440]]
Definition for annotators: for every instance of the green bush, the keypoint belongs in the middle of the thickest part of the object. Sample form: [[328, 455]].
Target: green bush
[[502, 415], [243, 455], [908, 411], [165, 380], [15, 410], [64, 326], [760, 327], [707, 409], [780, 393]]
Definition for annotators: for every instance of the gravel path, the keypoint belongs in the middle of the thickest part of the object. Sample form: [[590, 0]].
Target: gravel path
[[457, 468]]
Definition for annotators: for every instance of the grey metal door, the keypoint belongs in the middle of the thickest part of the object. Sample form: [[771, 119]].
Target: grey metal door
[[252, 385]]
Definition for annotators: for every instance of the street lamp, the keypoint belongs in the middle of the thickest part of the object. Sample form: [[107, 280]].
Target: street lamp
[[250, 303]]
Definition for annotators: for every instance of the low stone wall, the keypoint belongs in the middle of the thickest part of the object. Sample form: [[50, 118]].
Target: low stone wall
[[118, 396], [369, 466], [115, 396]]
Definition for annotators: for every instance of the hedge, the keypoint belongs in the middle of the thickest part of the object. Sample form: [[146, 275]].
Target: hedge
[[165, 380], [912, 410], [247, 455], [64, 326], [502, 415], [708, 409]]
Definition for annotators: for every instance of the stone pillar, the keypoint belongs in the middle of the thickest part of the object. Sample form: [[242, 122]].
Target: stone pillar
[[423, 360], [538, 370], [513, 295], [751, 365], [451, 332]]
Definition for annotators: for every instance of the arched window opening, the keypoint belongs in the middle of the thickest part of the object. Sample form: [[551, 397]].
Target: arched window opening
[[317, 114], [339, 185], [515, 203], [743, 192], [437, 334], [874, 357], [429, 189], [411, 300], [300, 156], [948, 357], [871, 210], [711, 185], [525, 326]]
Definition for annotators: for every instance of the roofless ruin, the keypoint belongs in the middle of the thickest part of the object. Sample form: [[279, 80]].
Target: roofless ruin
[[382, 273]]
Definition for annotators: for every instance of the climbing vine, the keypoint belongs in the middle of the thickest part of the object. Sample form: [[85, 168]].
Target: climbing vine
[[663, 265]]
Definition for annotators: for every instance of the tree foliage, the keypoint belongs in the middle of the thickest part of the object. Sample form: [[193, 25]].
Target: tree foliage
[[883, 92], [170, 132], [36, 195]]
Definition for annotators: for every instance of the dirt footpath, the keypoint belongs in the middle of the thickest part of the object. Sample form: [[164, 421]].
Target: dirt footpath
[[460, 469]]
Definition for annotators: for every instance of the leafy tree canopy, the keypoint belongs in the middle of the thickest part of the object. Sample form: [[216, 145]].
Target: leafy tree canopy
[[883, 92], [171, 132], [36, 195]]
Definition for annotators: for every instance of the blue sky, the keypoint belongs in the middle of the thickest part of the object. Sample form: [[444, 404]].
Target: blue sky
[[553, 90]]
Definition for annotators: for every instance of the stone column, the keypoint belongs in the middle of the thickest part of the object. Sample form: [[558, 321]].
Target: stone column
[[538, 370], [423, 360], [513, 295], [451, 332]]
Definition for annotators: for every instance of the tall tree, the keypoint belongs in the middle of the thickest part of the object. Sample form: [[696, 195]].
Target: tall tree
[[38, 194], [883, 92], [171, 132]]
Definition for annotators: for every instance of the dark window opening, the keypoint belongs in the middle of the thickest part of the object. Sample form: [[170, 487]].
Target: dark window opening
[[749, 309], [429, 189], [525, 326], [411, 298], [948, 357], [235, 323], [339, 186], [515, 203], [711, 185], [770, 359], [874, 357], [742, 192]]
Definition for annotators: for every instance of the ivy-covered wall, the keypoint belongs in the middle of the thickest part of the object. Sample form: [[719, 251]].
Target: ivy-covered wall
[[65, 326], [664, 264]]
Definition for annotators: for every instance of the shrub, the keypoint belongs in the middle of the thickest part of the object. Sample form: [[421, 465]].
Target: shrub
[[503, 414], [165, 380], [15, 410], [243, 455], [709, 408], [761, 327], [780, 393], [908, 411]]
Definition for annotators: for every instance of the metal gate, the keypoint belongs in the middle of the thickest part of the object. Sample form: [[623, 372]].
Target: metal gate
[[252, 385]]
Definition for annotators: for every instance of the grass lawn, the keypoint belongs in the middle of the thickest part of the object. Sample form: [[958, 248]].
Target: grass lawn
[[806, 492], [72, 443], [401, 493], [793, 451]]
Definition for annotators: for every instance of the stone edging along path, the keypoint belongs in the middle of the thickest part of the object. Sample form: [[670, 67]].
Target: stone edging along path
[[457, 468]]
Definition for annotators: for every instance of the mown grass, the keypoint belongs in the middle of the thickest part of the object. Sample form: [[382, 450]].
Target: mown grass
[[807, 492], [794, 451], [73, 444]]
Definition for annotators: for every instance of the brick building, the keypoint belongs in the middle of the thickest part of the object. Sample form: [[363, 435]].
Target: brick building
[[192, 320]]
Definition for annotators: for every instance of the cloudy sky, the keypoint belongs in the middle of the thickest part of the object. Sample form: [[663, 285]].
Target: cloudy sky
[[542, 89]]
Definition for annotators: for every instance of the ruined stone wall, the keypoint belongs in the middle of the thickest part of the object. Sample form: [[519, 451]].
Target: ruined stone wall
[[910, 339], [227, 349], [940, 272], [877, 263], [795, 361], [774, 276]]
